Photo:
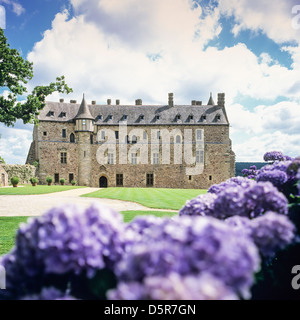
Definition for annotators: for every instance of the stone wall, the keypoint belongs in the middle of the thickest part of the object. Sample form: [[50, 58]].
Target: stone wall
[[3, 177], [23, 172]]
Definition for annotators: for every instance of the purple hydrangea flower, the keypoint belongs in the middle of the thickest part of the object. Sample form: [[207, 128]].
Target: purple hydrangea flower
[[189, 246], [200, 206], [174, 287], [276, 177], [274, 156], [49, 294], [64, 240], [272, 232], [233, 182]]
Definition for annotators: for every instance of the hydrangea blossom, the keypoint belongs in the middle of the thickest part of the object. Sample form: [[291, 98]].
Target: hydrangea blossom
[[174, 287], [189, 246], [274, 156], [270, 232], [200, 206], [233, 182], [66, 240], [276, 177]]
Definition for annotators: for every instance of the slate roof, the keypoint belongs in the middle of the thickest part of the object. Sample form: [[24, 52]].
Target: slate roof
[[136, 115]]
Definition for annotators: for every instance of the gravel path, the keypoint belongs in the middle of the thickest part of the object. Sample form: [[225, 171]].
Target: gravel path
[[36, 205]]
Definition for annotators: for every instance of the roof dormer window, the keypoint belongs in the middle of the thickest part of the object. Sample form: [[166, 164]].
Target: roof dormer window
[[125, 117], [191, 117], [63, 114], [142, 117], [203, 117], [110, 117], [99, 117], [178, 117], [218, 117], [51, 113], [157, 117]]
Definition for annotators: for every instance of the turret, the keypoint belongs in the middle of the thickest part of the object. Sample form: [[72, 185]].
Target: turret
[[84, 120]]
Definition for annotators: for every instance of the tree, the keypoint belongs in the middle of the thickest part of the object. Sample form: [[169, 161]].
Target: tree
[[15, 72]]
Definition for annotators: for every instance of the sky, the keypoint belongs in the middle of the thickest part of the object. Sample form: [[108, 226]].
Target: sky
[[131, 49]]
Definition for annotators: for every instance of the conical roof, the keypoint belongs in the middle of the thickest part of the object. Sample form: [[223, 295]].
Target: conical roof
[[211, 101], [84, 111]]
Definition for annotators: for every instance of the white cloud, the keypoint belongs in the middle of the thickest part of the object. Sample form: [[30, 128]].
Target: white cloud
[[15, 143], [16, 7], [273, 18]]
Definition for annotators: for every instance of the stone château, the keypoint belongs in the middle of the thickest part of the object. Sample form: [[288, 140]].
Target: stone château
[[114, 145]]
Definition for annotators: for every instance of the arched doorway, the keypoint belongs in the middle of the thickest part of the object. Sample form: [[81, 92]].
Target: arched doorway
[[103, 182]]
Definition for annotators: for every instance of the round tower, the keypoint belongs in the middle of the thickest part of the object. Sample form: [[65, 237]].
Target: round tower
[[84, 128]]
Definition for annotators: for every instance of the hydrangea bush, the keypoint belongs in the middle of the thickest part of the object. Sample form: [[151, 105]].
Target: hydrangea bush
[[228, 244]]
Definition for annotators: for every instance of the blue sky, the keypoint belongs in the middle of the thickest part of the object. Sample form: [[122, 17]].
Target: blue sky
[[129, 49]]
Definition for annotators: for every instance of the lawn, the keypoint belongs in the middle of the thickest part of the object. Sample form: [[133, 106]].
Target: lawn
[[30, 190], [10, 225], [170, 199]]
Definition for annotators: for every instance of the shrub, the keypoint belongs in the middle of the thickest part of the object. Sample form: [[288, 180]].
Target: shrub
[[73, 182], [34, 180], [49, 179], [15, 180], [62, 181], [36, 163]]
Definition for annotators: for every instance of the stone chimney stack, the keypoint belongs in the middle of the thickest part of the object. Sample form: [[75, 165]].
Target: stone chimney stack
[[139, 102], [117, 102], [61, 100], [73, 101], [221, 99], [198, 103], [108, 102], [194, 102], [94, 102], [171, 100]]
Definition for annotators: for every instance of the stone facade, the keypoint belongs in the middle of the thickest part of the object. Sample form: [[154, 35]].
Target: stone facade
[[23, 172], [3, 177], [88, 151]]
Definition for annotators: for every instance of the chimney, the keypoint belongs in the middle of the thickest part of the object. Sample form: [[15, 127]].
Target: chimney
[[117, 102], [171, 100], [194, 102], [61, 100], [94, 102], [139, 102], [108, 102], [221, 99], [198, 103], [73, 101]]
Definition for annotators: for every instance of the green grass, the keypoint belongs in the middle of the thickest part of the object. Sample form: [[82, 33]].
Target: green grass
[[30, 190], [130, 215], [170, 199], [8, 229]]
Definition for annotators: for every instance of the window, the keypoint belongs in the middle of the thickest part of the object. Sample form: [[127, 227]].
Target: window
[[84, 154], [157, 117], [203, 118], [190, 178], [127, 140], [145, 135], [210, 178], [117, 135], [178, 117], [71, 177], [199, 135], [63, 157], [218, 117], [92, 139], [200, 157], [119, 179], [99, 117], [110, 117], [178, 139], [142, 117], [102, 135], [191, 117], [125, 117], [56, 178], [63, 114], [64, 133], [83, 124], [72, 138], [150, 180], [45, 134], [110, 158], [51, 113], [134, 158], [155, 158], [158, 135], [134, 140]]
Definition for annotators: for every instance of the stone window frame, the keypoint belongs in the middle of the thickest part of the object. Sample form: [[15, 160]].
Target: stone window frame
[[178, 139], [110, 158], [199, 156], [64, 133], [199, 135], [63, 157], [149, 179], [119, 180], [155, 158], [134, 157]]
